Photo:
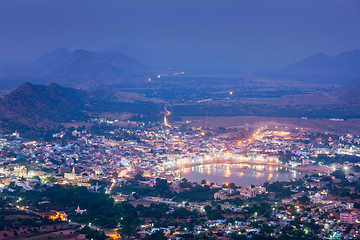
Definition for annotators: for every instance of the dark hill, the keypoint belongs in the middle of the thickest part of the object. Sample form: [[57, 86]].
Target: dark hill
[[42, 107], [39, 108], [322, 68], [81, 69]]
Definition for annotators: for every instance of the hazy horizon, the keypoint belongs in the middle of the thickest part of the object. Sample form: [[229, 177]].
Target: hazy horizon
[[260, 34]]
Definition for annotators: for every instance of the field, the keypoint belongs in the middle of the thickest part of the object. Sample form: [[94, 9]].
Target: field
[[255, 122]]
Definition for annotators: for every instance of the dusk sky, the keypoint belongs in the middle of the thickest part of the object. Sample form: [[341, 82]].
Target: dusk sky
[[278, 31]]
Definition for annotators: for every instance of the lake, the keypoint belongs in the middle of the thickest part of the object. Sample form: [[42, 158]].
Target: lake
[[241, 174]]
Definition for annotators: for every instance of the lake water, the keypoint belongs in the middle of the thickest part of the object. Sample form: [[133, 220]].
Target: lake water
[[241, 174]]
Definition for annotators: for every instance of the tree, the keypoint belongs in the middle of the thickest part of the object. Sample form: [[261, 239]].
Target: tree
[[207, 209], [158, 235], [356, 168], [139, 177], [238, 202], [238, 236], [49, 179], [339, 174], [161, 185], [285, 157], [36, 177], [230, 185], [304, 199], [185, 183], [93, 234]]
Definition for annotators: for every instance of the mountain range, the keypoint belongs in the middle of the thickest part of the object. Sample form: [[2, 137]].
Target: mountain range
[[111, 67], [321, 68], [80, 69]]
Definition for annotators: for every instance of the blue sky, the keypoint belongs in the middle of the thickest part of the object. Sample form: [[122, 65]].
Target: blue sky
[[272, 32]]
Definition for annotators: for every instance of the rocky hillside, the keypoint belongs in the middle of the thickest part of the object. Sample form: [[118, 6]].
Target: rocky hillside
[[42, 107]]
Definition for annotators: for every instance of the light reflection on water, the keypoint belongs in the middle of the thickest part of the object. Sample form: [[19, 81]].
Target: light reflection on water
[[241, 174]]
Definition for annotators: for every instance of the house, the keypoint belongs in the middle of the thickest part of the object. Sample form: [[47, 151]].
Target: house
[[20, 171], [5, 180], [349, 218], [220, 194], [248, 193]]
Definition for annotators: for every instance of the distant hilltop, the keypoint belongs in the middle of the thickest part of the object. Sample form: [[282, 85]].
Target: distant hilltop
[[80, 69], [321, 68]]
